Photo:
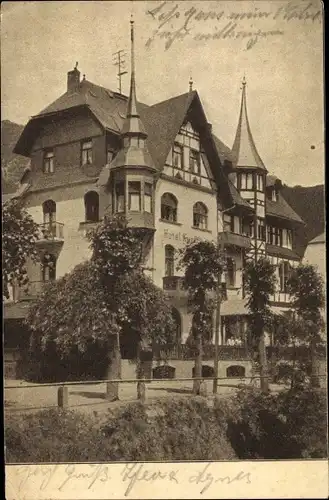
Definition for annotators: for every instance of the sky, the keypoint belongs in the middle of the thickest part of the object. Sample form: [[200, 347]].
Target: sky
[[278, 45]]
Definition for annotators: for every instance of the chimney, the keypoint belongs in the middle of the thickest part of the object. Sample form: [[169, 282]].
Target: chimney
[[73, 80]]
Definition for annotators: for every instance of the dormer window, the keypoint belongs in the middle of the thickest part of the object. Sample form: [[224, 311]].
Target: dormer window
[[195, 165], [178, 157], [48, 161], [86, 152], [274, 195]]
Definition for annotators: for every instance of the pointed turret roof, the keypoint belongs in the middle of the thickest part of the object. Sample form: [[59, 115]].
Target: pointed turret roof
[[134, 153], [245, 154]]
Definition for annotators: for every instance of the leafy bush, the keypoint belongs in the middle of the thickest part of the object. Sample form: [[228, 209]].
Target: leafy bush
[[250, 425], [182, 429], [291, 424]]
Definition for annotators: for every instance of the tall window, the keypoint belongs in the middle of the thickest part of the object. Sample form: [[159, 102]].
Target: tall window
[[48, 267], [200, 216], [49, 161], [274, 236], [284, 275], [230, 272], [229, 223], [120, 197], [261, 229], [148, 197], [169, 260], [289, 238], [91, 206], [87, 153], [195, 165], [134, 196], [178, 160], [168, 207], [49, 212], [260, 182], [246, 181]]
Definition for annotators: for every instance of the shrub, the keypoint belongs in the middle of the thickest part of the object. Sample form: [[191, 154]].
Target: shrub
[[182, 429]]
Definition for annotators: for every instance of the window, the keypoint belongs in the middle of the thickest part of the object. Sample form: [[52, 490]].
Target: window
[[246, 181], [134, 196], [49, 211], [178, 160], [260, 182], [195, 166], [229, 223], [274, 236], [289, 238], [91, 206], [86, 153], [169, 260], [120, 197], [275, 195], [200, 216], [261, 230], [284, 275], [48, 267], [49, 217], [230, 272], [169, 207], [48, 162], [148, 197]]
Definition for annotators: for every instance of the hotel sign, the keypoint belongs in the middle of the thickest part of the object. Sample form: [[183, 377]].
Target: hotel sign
[[179, 237]]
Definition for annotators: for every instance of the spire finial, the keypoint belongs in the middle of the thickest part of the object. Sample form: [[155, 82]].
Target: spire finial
[[244, 82], [190, 84], [76, 65]]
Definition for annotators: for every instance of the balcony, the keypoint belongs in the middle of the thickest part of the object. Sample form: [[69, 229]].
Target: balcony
[[31, 290], [173, 283], [234, 239], [51, 232]]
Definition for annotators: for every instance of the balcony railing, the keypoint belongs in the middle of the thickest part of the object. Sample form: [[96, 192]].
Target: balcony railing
[[51, 231], [234, 239], [171, 283], [31, 290]]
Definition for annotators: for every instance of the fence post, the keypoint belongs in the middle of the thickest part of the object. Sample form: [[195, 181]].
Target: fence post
[[63, 397]]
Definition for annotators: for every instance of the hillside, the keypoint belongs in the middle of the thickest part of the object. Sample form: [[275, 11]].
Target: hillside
[[12, 166], [309, 203]]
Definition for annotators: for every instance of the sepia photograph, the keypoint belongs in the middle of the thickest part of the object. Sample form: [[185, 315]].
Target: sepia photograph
[[164, 249]]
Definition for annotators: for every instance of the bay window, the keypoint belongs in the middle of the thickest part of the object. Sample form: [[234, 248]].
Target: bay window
[[148, 197], [120, 197], [134, 196]]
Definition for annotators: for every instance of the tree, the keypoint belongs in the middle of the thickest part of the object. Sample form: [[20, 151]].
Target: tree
[[202, 263], [259, 281], [19, 236], [306, 289], [103, 300]]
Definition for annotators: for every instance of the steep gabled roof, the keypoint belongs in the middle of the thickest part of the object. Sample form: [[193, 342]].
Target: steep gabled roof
[[282, 210], [244, 151]]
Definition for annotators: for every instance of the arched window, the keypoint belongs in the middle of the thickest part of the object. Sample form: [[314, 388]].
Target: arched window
[[200, 216], [169, 260], [48, 267], [49, 211], [91, 206], [230, 272], [168, 207]]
